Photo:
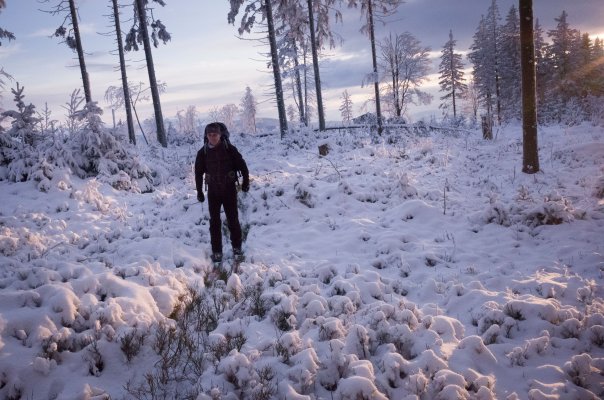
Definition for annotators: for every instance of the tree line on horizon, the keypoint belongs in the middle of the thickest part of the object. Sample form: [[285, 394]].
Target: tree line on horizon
[[570, 74]]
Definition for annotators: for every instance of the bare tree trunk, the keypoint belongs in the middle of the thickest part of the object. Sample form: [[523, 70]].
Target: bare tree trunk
[[80, 50], [315, 62], [530, 149], [276, 70], [120, 49], [378, 110], [299, 87], [159, 119], [454, 82], [306, 121]]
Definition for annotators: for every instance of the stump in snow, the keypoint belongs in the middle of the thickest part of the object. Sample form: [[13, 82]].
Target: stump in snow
[[324, 149]]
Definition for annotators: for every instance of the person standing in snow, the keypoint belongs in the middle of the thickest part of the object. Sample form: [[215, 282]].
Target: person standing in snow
[[220, 162]]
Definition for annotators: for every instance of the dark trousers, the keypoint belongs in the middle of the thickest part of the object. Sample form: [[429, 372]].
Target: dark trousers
[[223, 196]]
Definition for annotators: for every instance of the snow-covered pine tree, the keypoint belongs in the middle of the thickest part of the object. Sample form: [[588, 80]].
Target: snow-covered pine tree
[[18, 152], [229, 112], [94, 151], [562, 56], [292, 45], [248, 109], [24, 120], [542, 68], [484, 57], [346, 107], [509, 66], [47, 124], [451, 75]]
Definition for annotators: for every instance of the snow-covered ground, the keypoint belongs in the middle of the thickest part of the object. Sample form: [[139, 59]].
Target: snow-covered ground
[[427, 267]]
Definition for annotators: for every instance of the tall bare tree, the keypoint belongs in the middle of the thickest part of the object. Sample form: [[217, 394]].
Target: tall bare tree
[[126, 89], [69, 30], [405, 66], [139, 33], [530, 149], [265, 10], [375, 10]]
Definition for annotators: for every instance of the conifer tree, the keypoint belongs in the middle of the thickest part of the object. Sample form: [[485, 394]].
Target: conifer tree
[[248, 109], [542, 68], [561, 53], [484, 55], [346, 107], [451, 75], [24, 119], [509, 66]]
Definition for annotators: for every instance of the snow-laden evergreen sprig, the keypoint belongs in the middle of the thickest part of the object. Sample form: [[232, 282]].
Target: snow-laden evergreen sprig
[[23, 124], [17, 153]]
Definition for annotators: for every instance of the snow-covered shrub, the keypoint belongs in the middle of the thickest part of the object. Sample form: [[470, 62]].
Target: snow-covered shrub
[[476, 346], [554, 211], [570, 328], [597, 335], [447, 384], [304, 195], [304, 370], [341, 305], [489, 318], [131, 343], [288, 345], [517, 356], [357, 341], [497, 213], [418, 383], [536, 346], [94, 358], [598, 190], [283, 314], [480, 384], [359, 388], [90, 151], [491, 335], [393, 367], [572, 113], [595, 110], [237, 369], [98, 152], [579, 369]]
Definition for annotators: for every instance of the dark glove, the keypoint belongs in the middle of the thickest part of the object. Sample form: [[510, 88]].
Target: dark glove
[[200, 197], [245, 186]]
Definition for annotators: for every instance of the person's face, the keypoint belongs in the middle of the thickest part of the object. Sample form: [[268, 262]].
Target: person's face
[[213, 138]]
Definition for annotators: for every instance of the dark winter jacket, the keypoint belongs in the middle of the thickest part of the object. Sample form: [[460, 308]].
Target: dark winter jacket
[[220, 166]]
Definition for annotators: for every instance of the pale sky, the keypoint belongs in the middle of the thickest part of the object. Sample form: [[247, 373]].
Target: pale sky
[[207, 66]]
